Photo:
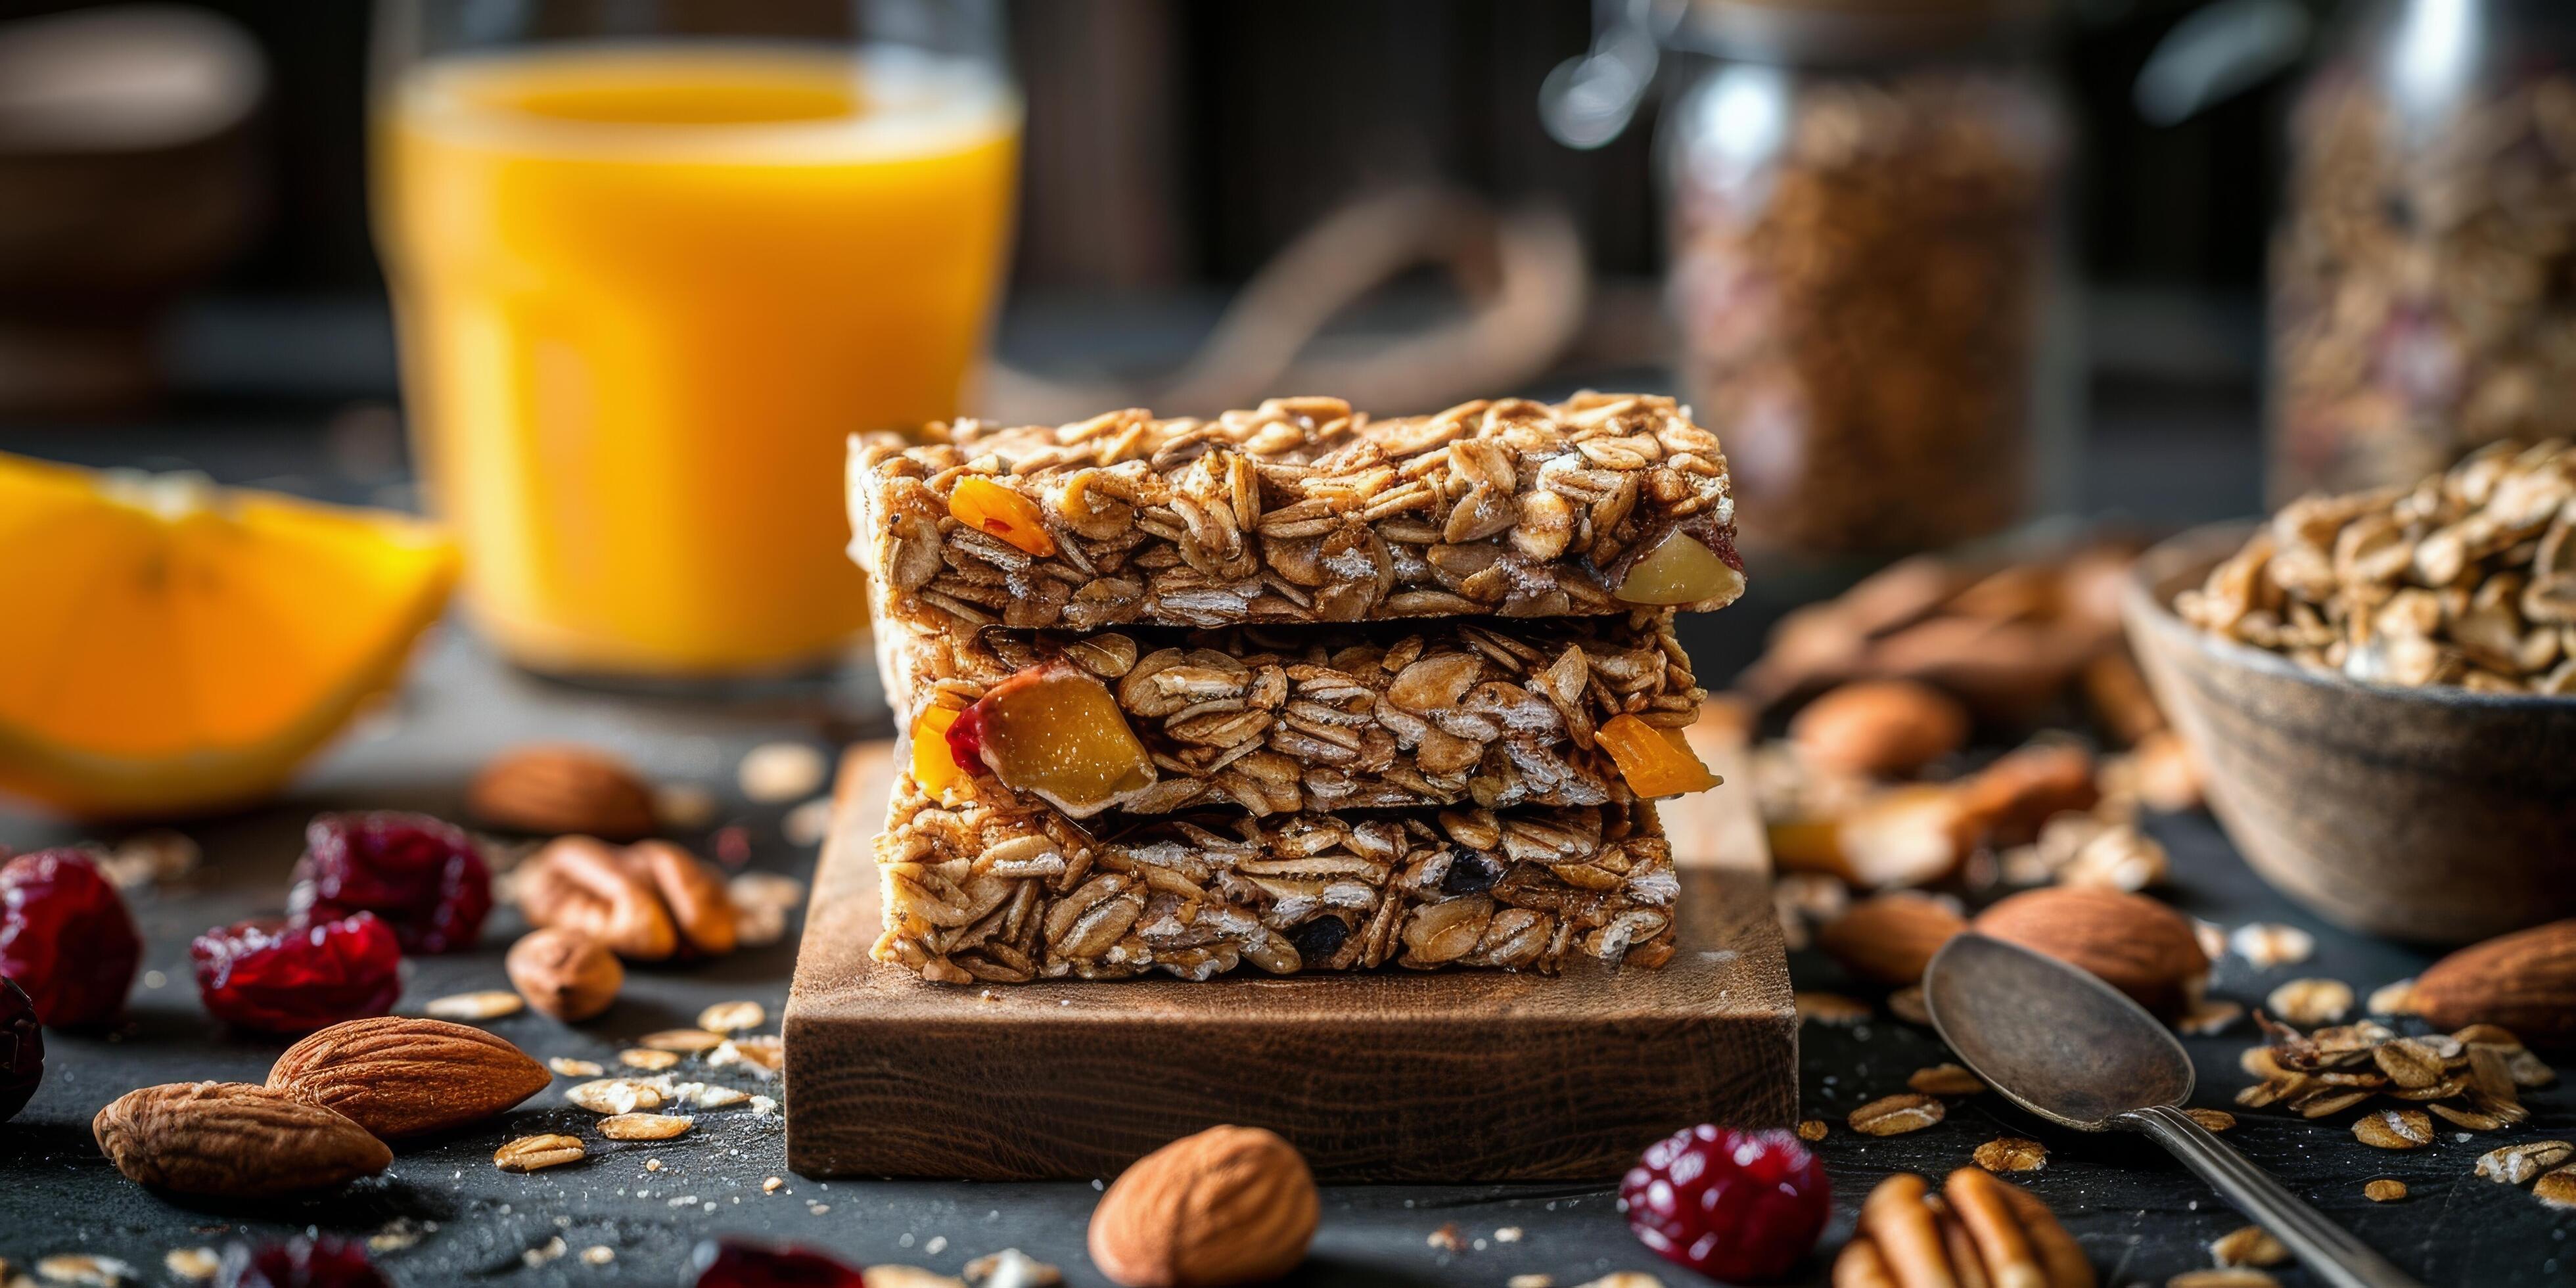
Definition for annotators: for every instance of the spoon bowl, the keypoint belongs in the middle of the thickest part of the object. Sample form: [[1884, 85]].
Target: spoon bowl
[[2069, 1048]]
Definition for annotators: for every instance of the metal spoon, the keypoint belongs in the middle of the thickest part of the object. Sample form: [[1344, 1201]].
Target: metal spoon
[[2073, 1050]]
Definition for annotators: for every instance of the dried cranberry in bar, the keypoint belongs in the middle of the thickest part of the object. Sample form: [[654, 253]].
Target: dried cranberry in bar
[[1054, 731]]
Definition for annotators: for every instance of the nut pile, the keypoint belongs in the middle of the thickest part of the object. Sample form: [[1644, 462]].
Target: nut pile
[[1860, 308], [2415, 313], [2466, 578]]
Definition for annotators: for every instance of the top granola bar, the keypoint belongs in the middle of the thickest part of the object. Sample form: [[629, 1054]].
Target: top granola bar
[[1299, 510]]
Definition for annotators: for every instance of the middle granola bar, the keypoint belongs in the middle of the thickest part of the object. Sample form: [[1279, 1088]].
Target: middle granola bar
[[1282, 719]]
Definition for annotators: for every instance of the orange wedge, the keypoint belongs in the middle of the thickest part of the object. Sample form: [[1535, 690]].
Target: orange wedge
[[167, 646]]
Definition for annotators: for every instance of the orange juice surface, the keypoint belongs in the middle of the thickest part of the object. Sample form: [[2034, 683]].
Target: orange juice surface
[[644, 292]]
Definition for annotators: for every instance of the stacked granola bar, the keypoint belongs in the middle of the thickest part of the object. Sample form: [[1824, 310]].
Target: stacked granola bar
[[1291, 687]]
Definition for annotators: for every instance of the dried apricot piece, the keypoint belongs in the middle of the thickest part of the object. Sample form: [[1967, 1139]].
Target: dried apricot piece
[[1056, 731], [1654, 760], [988, 506], [1680, 570], [934, 766]]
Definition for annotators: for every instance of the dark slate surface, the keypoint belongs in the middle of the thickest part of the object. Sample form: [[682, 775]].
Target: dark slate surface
[[2139, 1215]]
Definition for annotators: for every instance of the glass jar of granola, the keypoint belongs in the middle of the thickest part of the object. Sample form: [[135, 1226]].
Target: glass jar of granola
[[2424, 273], [1864, 201]]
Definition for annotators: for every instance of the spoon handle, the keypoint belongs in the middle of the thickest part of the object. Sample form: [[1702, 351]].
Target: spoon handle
[[2331, 1251]]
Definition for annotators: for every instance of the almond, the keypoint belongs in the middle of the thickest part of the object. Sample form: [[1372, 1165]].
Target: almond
[[233, 1138], [2135, 944], [1230, 1205], [400, 1075], [2525, 981], [1885, 727], [565, 973], [554, 789], [2006, 802], [1890, 938]]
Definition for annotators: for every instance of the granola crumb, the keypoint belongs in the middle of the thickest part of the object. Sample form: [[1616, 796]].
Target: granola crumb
[[1447, 1238], [1813, 1129], [2384, 1190], [772, 1185]]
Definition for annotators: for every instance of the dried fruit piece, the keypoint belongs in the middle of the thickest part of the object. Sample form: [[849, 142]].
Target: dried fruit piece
[[934, 765], [425, 878], [1654, 760], [532, 1153], [318, 1261], [66, 938], [232, 1138], [402, 1075], [2394, 1129], [987, 506], [1055, 730], [297, 978], [1733, 1205], [1680, 570], [22, 1049], [2012, 1154], [565, 973], [732, 1264], [2384, 1190], [1897, 1114], [1230, 1205]]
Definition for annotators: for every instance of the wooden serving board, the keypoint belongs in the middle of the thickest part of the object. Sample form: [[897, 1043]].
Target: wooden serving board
[[1392, 1076]]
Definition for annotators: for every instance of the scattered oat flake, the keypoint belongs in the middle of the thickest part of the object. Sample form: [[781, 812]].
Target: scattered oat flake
[[1530, 1281], [2250, 1245], [1897, 1114], [1907, 1004], [644, 1126], [2517, 1164], [615, 1095], [571, 1068], [1946, 1080], [1623, 1279], [774, 772], [1011, 1268], [2214, 1120], [2394, 1129], [193, 1264], [772, 1185], [2212, 1015], [2269, 943], [2233, 1277], [2212, 937], [2384, 1190], [530, 1153], [1830, 1008], [809, 823], [491, 1004], [598, 1254], [2311, 1002], [1812, 1129], [2558, 1189], [1447, 1238], [711, 1097], [648, 1060], [2011, 1154], [763, 1106], [539, 1255], [683, 807], [684, 1041], [651, 1165], [762, 1055], [1508, 1234], [732, 1017], [84, 1268], [400, 1233], [2392, 999], [908, 1277]]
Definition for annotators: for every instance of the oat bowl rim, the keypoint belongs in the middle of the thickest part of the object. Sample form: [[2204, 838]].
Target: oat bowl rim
[[2434, 814]]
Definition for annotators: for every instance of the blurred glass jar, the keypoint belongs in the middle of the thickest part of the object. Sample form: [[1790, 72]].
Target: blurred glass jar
[[2424, 275], [1864, 205]]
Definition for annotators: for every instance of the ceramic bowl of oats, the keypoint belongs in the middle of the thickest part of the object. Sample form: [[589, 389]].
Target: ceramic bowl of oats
[[2382, 690]]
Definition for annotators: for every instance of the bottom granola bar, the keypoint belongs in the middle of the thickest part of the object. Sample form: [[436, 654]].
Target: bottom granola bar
[[1008, 890]]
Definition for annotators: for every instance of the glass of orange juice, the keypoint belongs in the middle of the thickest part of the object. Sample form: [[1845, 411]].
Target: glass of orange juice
[[651, 264]]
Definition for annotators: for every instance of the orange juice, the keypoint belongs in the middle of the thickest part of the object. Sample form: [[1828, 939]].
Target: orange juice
[[645, 290]]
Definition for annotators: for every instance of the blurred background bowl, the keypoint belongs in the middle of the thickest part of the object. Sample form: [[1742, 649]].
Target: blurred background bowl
[[2432, 814]]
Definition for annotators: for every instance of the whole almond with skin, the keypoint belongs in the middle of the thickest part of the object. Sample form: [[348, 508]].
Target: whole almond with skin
[[2525, 981], [401, 1075], [1890, 938], [564, 973], [233, 1138], [1230, 1205], [2132, 942], [2006, 802], [559, 788], [1890, 728]]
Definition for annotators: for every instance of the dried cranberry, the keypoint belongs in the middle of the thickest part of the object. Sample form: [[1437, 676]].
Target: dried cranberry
[[1470, 872], [424, 877], [289, 978], [22, 1049], [729, 1264], [319, 1262], [1317, 940], [1732, 1205], [66, 937]]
